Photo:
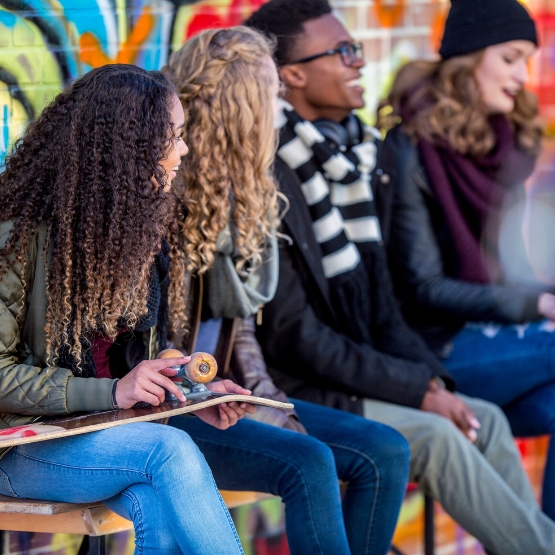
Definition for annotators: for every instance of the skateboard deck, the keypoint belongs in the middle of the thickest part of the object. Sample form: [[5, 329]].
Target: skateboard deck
[[84, 423]]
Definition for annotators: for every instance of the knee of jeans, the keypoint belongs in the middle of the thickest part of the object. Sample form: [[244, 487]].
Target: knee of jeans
[[388, 447], [309, 457], [176, 448], [384, 454], [308, 466], [396, 456]]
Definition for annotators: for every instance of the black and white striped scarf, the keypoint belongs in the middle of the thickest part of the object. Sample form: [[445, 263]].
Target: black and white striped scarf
[[336, 187]]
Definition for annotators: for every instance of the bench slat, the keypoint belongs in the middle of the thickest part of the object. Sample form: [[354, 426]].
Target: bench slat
[[91, 519], [97, 521], [34, 507]]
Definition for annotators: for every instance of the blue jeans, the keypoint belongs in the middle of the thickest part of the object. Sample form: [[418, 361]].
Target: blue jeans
[[303, 470], [151, 474], [514, 368]]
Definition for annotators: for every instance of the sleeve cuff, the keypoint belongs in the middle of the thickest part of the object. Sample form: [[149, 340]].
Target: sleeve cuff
[[86, 394]]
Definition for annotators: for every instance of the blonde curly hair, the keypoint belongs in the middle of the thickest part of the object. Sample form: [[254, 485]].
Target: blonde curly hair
[[224, 85], [440, 101]]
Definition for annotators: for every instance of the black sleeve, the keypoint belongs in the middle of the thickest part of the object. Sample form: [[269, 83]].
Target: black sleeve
[[416, 258], [393, 335], [298, 343]]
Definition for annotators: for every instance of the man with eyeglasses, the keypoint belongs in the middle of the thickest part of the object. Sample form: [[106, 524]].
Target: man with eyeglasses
[[333, 333]]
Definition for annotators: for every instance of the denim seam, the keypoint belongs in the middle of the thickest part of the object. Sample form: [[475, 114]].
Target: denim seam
[[137, 525], [373, 463], [229, 519], [299, 471], [95, 469], [8, 484]]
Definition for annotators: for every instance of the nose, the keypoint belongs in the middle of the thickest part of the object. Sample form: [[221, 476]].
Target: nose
[[522, 73], [359, 62], [183, 148]]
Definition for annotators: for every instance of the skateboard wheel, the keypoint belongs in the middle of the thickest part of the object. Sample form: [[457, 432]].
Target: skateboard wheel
[[170, 353], [202, 368]]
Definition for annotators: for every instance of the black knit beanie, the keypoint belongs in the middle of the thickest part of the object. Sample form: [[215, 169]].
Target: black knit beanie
[[475, 24]]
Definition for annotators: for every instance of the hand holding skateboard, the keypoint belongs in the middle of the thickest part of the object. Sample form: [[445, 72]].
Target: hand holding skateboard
[[226, 414], [200, 370], [141, 395], [148, 382]]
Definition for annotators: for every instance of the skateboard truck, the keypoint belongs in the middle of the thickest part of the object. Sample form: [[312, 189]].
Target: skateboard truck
[[201, 369]]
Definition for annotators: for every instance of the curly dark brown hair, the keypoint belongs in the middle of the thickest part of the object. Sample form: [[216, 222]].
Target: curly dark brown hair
[[89, 168]]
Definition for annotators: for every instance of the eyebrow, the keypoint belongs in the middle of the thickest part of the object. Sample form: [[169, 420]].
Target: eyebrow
[[344, 41], [517, 50]]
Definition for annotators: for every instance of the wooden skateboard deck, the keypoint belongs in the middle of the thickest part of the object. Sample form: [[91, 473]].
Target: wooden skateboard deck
[[93, 421]]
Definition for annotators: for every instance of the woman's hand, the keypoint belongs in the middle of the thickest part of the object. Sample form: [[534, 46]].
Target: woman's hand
[[227, 414], [148, 381], [546, 305]]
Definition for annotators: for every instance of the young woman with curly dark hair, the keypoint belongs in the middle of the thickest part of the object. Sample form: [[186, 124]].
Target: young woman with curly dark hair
[[84, 271], [467, 140]]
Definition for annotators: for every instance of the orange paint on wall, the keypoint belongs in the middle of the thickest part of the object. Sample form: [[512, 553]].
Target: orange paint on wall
[[389, 14], [91, 51], [437, 25]]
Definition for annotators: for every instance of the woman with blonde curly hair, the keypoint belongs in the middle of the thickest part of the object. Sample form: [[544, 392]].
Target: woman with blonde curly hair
[[228, 85], [84, 267], [467, 138]]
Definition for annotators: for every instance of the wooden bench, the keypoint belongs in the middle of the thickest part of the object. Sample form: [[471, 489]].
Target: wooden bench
[[93, 520]]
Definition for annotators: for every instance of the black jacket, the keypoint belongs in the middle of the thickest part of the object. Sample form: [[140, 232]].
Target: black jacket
[[308, 356], [422, 259]]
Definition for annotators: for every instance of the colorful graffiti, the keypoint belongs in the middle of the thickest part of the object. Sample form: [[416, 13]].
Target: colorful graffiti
[[45, 44]]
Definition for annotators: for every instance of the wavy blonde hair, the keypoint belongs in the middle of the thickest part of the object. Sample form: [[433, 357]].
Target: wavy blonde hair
[[440, 101], [224, 87]]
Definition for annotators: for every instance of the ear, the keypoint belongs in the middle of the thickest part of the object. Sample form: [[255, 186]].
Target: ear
[[293, 76]]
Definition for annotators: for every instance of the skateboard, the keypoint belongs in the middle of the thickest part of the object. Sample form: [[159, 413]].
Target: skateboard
[[194, 375]]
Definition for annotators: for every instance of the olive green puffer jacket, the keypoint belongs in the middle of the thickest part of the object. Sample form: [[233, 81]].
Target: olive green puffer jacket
[[28, 389]]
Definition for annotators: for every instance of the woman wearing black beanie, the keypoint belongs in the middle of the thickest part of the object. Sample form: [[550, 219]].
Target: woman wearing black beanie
[[466, 139]]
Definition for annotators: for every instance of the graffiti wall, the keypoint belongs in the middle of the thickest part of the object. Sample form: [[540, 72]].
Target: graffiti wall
[[45, 44]]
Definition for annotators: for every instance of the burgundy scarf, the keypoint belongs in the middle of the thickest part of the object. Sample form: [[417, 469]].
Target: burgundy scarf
[[471, 192]]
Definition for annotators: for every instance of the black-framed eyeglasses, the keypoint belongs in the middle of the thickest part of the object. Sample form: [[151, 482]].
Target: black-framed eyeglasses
[[349, 51]]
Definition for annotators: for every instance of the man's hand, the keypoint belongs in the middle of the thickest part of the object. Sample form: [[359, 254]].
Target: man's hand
[[444, 403], [227, 414], [148, 381]]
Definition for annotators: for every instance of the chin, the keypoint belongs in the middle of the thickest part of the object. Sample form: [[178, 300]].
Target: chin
[[502, 107], [360, 105]]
